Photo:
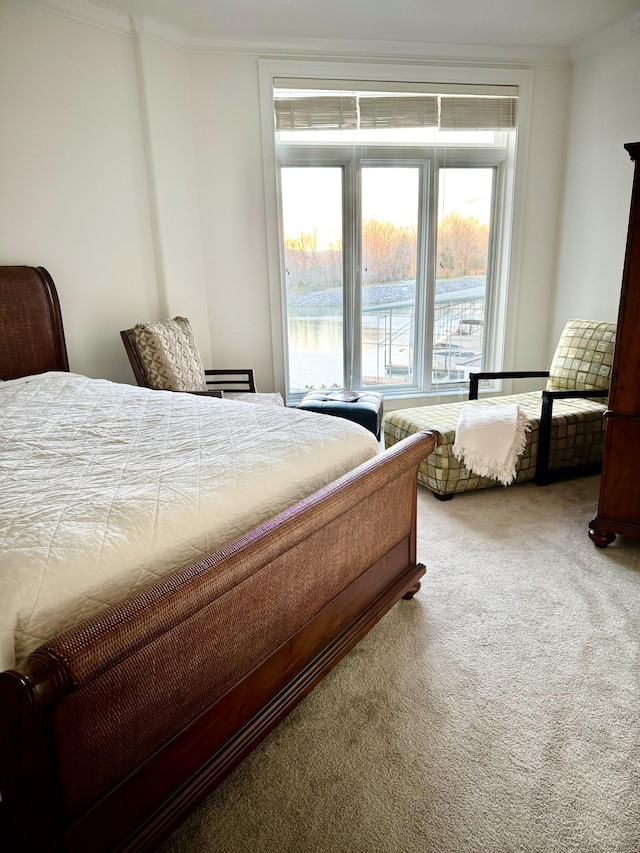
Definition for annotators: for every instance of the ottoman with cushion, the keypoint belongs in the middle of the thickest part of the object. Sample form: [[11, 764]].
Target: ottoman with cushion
[[364, 408], [567, 423]]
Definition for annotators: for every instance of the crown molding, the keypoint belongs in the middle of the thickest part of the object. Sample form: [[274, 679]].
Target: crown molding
[[156, 30], [381, 50], [355, 49], [606, 38], [86, 13]]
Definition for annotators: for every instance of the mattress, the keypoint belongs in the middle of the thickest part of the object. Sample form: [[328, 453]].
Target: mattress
[[106, 487]]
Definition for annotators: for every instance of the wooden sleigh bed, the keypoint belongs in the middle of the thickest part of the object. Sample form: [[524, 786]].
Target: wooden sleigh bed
[[115, 728]]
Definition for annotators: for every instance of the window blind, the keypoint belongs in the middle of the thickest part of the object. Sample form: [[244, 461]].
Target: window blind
[[477, 113], [353, 111], [322, 112], [392, 111]]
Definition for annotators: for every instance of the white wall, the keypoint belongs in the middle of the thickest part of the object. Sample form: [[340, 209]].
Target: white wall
[[73, 193], [226, 110], [541, 222], [605, 113], [134, 173], [167, 118]]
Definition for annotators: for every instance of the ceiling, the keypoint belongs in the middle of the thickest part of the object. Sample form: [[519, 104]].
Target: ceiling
[[526, 23]]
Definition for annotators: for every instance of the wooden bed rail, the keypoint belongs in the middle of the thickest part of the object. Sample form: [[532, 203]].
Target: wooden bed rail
[[215, 655]]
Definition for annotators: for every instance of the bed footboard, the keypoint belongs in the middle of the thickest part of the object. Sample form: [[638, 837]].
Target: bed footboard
[[117, 728]]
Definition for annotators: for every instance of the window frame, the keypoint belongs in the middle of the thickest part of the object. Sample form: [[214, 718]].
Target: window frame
[[507, 259]]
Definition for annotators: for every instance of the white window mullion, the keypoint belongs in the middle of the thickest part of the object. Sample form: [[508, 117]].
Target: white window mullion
[[282, 268], [430, 272], [496, 295], [351, 273], [424, 280]]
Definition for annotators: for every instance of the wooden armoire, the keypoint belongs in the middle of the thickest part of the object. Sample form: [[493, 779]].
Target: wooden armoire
[[619, 501]]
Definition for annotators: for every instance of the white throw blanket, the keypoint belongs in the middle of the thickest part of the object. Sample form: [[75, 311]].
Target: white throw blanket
[[490, 439]]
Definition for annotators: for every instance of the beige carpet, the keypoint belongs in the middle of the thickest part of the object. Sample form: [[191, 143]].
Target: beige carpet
[[498, 711]]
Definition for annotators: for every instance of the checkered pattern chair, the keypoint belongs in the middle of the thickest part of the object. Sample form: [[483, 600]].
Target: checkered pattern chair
[[567, 423]]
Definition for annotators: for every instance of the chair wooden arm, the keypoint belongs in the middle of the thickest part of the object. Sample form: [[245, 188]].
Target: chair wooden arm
[[474, 378], [217, 394], [542, 475], [231, 380]]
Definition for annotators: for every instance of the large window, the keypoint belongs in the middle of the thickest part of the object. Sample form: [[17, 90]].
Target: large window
[[394, 227]]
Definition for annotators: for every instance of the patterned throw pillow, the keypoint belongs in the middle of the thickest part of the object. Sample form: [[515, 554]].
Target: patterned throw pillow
[[169, 356], [583, 357]]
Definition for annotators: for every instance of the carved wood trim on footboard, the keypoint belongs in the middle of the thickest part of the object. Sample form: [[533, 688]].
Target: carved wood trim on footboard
[[111, 734]]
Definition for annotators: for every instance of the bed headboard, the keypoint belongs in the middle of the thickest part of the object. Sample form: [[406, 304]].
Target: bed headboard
[[31, 332]]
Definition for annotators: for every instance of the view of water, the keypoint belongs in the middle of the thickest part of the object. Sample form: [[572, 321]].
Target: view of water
[[316, 348], [315, 328]]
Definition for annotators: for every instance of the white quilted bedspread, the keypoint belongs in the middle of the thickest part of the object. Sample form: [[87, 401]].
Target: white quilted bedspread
[[104, 487]]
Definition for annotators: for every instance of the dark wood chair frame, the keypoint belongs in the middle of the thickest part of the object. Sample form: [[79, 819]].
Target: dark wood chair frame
[[545, 475], [218, 381]]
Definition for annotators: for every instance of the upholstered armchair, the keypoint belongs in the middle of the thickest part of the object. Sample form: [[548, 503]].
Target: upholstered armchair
[[567, 417], [164, 356]]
